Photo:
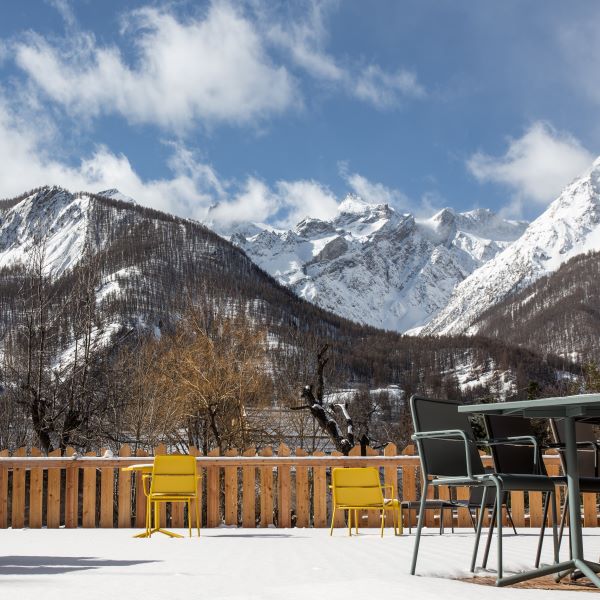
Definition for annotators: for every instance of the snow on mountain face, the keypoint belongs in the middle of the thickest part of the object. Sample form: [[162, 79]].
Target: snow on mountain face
[[377, 266], [115, 194], [52, 217], [570, 226]]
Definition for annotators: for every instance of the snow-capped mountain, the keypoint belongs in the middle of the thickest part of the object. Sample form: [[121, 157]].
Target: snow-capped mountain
[[147, 268], [570, 226], [375, 265]]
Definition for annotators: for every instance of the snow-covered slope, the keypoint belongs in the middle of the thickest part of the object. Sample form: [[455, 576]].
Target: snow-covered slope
[[570, 226], [377, 266], [52, 217]]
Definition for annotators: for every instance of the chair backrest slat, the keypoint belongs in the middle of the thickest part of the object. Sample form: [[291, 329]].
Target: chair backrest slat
[[586, 458], [443, 458], [515, 459]]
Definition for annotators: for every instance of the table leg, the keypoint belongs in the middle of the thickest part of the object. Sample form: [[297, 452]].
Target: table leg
[[589, 569]]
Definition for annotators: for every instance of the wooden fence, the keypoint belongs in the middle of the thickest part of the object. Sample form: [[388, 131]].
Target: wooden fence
[[249, 489]]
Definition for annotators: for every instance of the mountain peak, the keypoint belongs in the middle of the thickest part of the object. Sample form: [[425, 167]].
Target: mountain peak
[[353, 204], [115, 194]]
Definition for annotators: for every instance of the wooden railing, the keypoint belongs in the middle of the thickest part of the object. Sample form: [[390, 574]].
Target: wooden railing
[[249, 489]]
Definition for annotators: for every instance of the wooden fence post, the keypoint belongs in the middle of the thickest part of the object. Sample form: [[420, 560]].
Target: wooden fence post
[[319, 494], [71, 491], [249, 492], [302, 493], [284, 490], [53, 506], [340, 517], [36, 490], [231, 491], [88, 517], [213, 493], [107, 495], [266, 491], [124, 492], [18, 494]]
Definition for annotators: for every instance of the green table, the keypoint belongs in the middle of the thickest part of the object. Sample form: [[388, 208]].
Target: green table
[[583, 407]]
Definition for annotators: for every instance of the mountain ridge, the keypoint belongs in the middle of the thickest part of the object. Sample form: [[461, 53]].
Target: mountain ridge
[[570, 226], [378, 266]]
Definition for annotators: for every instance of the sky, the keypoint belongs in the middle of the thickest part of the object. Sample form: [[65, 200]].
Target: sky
[[270, 112]]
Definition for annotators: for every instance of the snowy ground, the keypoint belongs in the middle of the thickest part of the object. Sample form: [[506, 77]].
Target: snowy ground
[[302, 564]]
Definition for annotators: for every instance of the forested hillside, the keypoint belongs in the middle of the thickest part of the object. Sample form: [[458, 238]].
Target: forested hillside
[[558, 314], [96, 293]]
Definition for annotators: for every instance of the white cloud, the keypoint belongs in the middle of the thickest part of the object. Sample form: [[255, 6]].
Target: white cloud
[[301, 199], [28, 160], [63, 7], [384, 89], [375, 193], [254, 202], [193, 189], [305, 40], [214, 69], [537, 166]]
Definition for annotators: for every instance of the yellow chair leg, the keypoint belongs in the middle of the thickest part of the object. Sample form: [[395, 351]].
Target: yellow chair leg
[[382, 520], [350, 522], [332, 521], [356, 521], [189, 504]]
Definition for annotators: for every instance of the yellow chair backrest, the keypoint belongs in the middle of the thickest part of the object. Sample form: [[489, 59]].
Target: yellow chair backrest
[[356, 487], [174, 475]]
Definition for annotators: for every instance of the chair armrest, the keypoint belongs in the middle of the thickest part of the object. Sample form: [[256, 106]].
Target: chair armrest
[[389, 486], [449, 434], [146, 480], [515, 440], [591, 445]]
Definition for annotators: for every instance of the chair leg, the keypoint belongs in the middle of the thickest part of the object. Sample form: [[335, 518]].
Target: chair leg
[[499, 528], [488, 542], [350, 522], [478, 530], [148, 520], [510, 519], [473, 522], [383, 520], [332, 520], [189, 506], [542, 530], [563, 520], [420, 520], [554, 533], [356, 522]]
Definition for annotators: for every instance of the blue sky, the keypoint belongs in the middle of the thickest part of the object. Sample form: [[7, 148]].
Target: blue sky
[[273, 111]]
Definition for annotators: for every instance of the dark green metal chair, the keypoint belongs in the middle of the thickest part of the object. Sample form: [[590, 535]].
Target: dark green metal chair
[[449, 456]]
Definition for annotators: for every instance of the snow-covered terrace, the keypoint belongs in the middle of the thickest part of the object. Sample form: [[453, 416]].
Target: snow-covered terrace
[[252, 564]]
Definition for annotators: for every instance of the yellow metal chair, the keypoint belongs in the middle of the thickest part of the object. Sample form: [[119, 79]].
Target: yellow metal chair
[[174, 479], [360, 489]]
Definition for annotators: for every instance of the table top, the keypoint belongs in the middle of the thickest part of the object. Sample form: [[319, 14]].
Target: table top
[[582, 407], [144, 468]]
